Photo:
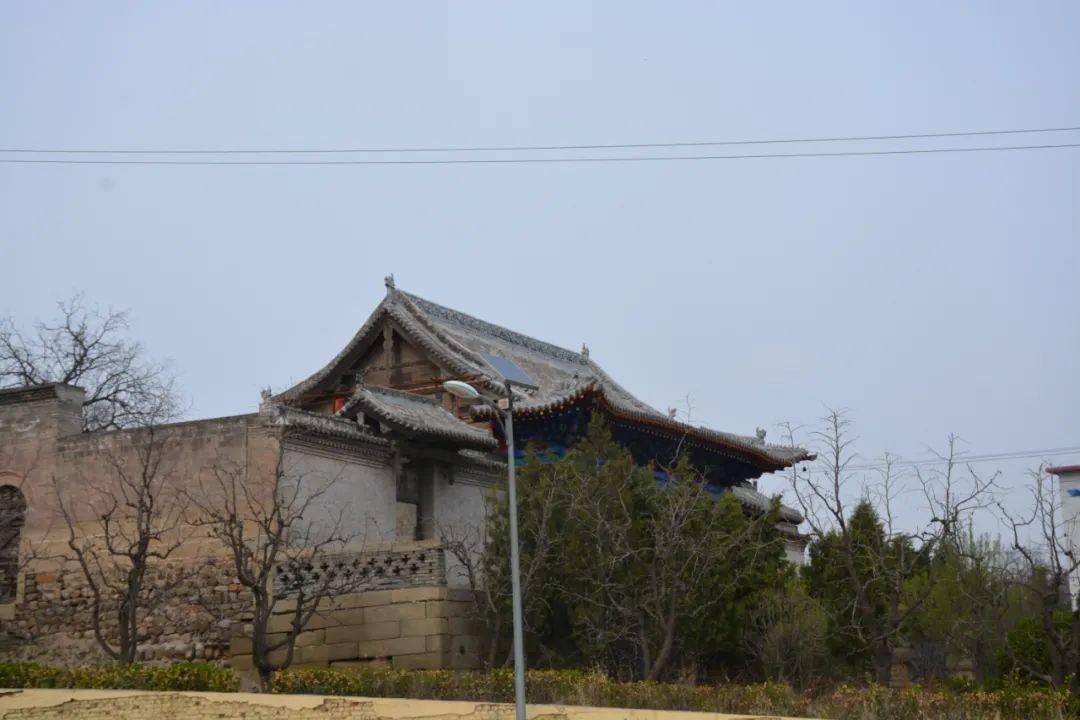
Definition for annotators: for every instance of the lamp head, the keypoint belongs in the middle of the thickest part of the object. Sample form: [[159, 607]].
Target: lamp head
[[463, 390]]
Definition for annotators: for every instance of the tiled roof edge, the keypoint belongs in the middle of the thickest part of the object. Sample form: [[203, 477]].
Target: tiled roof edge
[[498, 331]]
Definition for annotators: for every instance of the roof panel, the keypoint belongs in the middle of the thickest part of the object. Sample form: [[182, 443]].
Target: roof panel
[[509, 370]]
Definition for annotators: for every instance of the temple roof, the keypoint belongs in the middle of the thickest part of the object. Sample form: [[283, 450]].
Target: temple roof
[[319, 424], [415, 415], [457, 341], [620, 405]]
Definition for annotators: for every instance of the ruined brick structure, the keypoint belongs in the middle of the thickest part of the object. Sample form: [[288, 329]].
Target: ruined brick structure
[[413, 465]]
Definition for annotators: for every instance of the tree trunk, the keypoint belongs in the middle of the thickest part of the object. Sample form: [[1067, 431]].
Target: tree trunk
[[883, 658], [265, 680], [1054, 649], [663, 657], [643, 649], [126, 629]]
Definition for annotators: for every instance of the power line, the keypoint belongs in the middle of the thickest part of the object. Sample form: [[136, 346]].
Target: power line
[[522, 161], [528, 148], [964, 459]]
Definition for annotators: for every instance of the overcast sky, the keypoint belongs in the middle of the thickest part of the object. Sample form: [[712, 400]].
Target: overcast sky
[[927, 293]]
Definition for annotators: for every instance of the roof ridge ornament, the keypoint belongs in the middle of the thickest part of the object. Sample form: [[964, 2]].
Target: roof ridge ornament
[[389, 281], [584, 351]]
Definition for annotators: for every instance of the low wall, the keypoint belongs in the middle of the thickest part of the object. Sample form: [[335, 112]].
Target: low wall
[[407, 619], [405, 616], [418, 628], [52, 620]]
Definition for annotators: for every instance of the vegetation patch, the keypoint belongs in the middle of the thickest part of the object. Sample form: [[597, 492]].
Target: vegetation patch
[[573, 687], [181, 676]]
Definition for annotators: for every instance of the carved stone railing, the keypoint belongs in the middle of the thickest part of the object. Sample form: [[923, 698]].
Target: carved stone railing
[[352, 572]]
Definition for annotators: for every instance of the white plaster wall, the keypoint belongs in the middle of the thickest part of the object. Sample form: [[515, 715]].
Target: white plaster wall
[[363, 493], [1069, 483], [461, 514], [794, 552]]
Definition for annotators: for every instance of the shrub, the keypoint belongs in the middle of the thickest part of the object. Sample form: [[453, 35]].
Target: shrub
[[1017, 700], [182, 676], [572, 687]]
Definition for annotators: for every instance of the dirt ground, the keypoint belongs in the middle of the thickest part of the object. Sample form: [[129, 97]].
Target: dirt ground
[[136, 705]]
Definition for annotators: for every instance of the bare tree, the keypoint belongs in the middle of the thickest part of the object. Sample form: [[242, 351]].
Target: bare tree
[[466, 545], [874, 565], [953, 499], [281, 538], [88, 347], [122, 529], [1040, 539]]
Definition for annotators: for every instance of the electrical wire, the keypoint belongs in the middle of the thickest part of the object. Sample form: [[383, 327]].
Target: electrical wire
[[964, 459], [514, 161], [530, 148]]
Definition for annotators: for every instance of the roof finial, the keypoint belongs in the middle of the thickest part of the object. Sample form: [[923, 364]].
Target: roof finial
[[389, 280], [672, 413], [584, 351], [760, 432], [266, 393]]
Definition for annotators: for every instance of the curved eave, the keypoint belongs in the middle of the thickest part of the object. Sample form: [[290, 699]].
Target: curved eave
[[661, 426], [319, 424], [464, 436]]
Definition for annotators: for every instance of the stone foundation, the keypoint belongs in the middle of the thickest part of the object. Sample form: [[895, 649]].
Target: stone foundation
[[415, 627], [405, 616], [52, 620]]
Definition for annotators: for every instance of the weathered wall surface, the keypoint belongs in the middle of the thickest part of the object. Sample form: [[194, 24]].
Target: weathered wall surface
[[400, 614], [44, 453], [356, 490], [31, 421], [461, 500], [427, 627], [200, 604], [407, 617]]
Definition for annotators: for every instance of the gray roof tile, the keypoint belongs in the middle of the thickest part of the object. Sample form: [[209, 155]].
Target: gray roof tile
[[416, 415], [456, 340]]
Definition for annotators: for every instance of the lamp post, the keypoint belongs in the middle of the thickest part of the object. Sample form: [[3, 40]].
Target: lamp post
[[468, 392]]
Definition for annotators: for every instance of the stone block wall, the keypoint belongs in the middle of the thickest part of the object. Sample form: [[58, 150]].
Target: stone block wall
[[402, 623], [52, 622], [404, 617]]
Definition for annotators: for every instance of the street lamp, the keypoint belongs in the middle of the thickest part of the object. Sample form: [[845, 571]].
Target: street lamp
[[468, 392]]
